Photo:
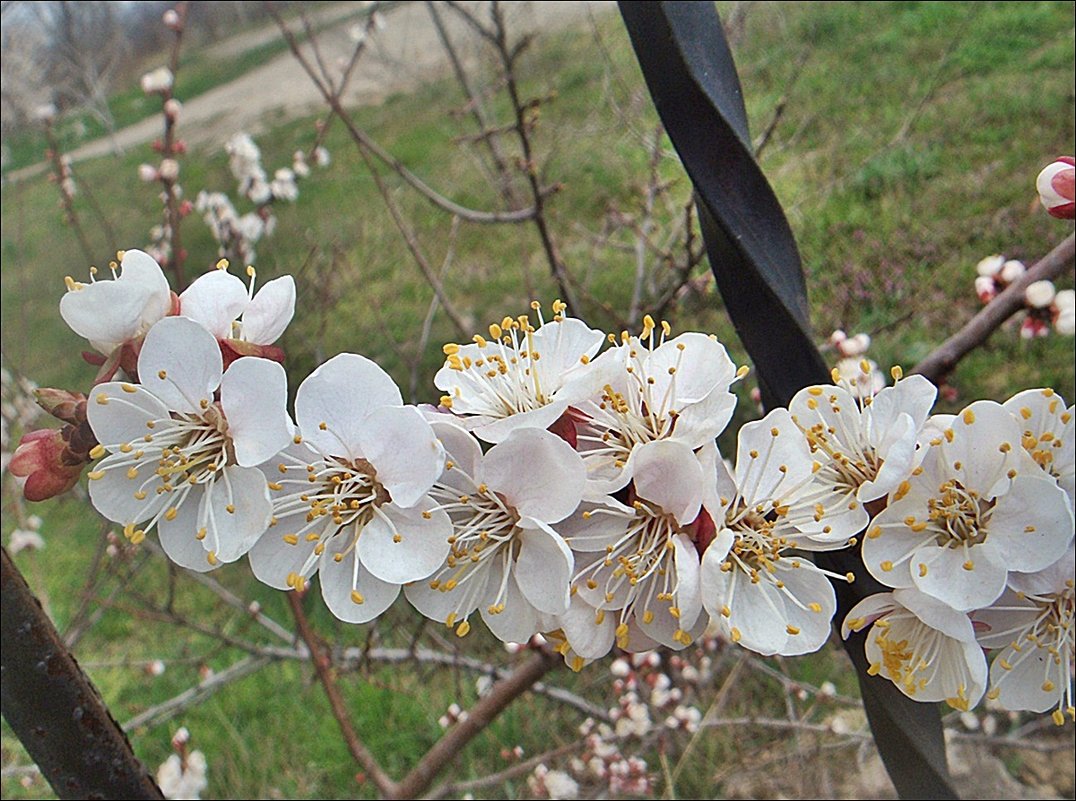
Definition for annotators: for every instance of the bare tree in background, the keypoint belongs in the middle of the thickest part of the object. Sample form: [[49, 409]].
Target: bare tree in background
[[86, 47]]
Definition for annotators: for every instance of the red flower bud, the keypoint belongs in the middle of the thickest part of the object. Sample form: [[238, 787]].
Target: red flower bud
[[40, 464]]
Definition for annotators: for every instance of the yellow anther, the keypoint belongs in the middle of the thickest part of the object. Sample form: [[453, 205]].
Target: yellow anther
[[356, 597], [463, 628], [211, 557], [968, 417], [95, 475], [897, 372]]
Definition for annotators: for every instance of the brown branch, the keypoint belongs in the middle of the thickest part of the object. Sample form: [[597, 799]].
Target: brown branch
[[55, 710], [478, 718], [322, 662], [941, 362]]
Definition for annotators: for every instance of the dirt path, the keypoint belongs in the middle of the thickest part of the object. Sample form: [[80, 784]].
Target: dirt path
[[405, 52]]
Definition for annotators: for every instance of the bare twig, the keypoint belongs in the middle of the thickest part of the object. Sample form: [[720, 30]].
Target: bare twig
[[526, 116], [161, 713], [176, 255], [458, 789], [478, 718], [431, 311], [322, 662], [60, 172], [367, 143], [486, 132], [940, 363]]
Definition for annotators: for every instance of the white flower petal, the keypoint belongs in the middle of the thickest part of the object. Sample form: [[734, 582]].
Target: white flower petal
[[764, 447], [462, 451], [215, 300], [236, 509], [700, 365], [113, 494], [107, 313], [986, 445], [178, 535], [118, 413], [947, 578], [254, 396], [346, 582], [341, 393], [269, 311], [1031, 524], [668, 474], [587, 637], [188, 357], [498, 430], [273, 559], [401, 545], [594, 526], [518, 621], [543, 568], [810, 604], [138, 267], [688, 595], [404, 451], [537, 472]]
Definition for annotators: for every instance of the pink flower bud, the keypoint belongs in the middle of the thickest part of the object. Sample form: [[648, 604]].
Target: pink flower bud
[[1057, 188], [147, 173], [40, 466], [172, 108], [1011, 270], [985, 288], [171, 20]]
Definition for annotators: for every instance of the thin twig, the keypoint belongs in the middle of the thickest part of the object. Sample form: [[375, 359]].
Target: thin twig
[[478, 718], [526, 118], [431, 311], [163, 712], [941, 362], [360, 137], [486, 132], [322, 662]]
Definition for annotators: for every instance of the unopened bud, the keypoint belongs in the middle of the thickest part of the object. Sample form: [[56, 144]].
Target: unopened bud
[[147, 173], [158, 81], [1040, 294], [985, 288], [1065, 312], [61, 404], [1011, 270], [171, 20], [990, 266], [40, 465], [1056, 188], [172, 107], [169, 169]]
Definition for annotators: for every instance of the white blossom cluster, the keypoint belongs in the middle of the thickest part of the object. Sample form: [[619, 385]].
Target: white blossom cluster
[[570, 483], [1045, 306], [237, 234]]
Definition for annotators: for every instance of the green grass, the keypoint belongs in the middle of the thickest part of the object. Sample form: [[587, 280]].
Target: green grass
[[908, 151]]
